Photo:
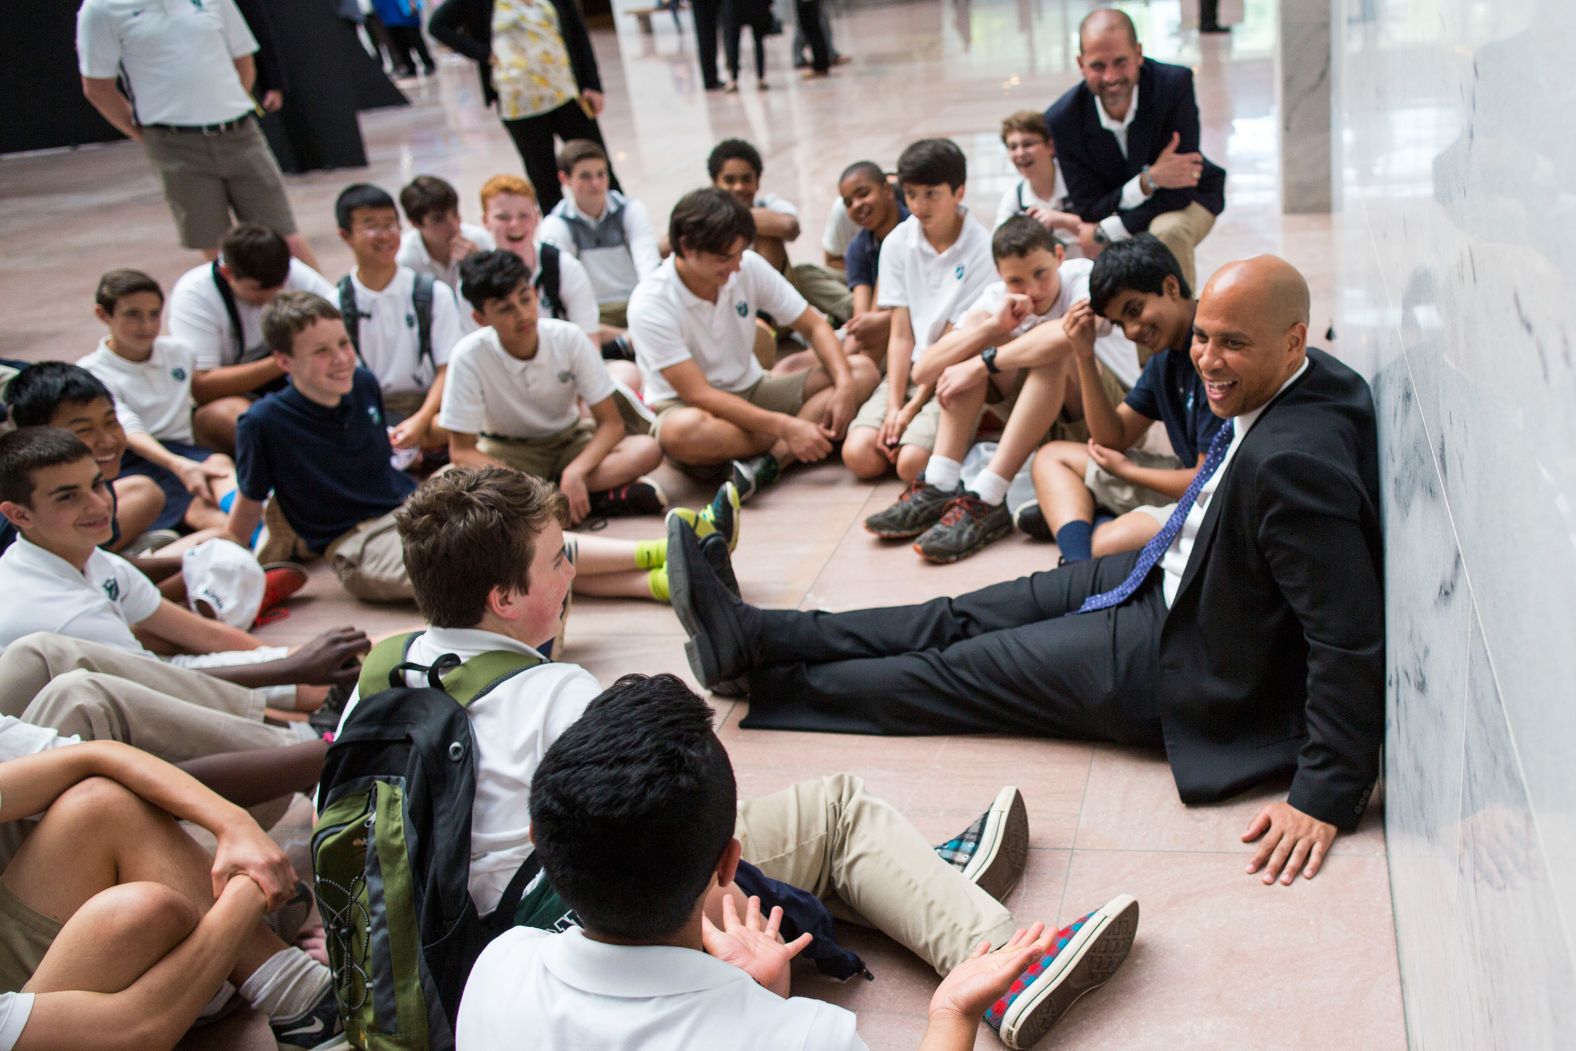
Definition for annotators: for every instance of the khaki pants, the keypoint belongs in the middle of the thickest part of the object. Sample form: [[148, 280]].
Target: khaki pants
[[370, 562], [1181, 231], [832, 838], [825, 289], [614, 315]]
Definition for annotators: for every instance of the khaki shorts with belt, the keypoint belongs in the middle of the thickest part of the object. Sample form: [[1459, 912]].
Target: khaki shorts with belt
[[25, 936], [544, 457], [370, 561], [205, 177], [784, 394]]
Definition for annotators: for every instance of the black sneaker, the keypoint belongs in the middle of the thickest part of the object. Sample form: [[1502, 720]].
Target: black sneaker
[[708, 611], [751, 476], [640, 497], [1030, 521], [723, 513], [319, 1029], [917, 509], [993, 851], [967, 525]]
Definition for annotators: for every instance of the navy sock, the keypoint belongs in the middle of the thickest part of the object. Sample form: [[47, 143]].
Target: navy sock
[[1075, 539]]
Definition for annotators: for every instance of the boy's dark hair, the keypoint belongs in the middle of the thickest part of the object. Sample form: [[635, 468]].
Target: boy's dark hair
[[1019, 236], [933, 162], [491, 275], [632, 807], [426, 194], [116, 284], [709, 220], [733, 150], [291, 313], [253, 251], [869, 169], [1027, 121], [359, 195], [37, 392], [577, 150], [29, 450], [469, 530], [1135, 264]]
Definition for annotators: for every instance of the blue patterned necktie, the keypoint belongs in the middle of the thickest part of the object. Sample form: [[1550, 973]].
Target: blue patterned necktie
[[1152, 552]]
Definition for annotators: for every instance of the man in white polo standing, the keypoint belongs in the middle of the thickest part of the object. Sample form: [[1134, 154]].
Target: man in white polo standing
[[189, 68]]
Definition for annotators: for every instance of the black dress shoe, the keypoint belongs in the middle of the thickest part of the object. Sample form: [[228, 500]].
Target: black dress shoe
[[707, 609]]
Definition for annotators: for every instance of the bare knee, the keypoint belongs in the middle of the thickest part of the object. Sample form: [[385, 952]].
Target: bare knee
[[645, 452], [911, 461], [861, 456], [866, 375], [142, 913], [98, 802]]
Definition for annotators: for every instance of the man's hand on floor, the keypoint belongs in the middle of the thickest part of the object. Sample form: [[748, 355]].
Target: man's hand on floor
[[1292, 841]]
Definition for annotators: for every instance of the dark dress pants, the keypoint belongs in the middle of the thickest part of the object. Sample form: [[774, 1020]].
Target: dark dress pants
[[1009, 658], [810, 24], [534, 139], [706, 12]]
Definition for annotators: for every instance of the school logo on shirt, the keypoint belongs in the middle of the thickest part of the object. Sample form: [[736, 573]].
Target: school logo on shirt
[[178, 374], [741, 308], [565, 375], [410, 320], [111, 589], [373, 414], [958, 272]]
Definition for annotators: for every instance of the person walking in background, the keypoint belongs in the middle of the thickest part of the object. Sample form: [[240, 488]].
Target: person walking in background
[[736, 15]]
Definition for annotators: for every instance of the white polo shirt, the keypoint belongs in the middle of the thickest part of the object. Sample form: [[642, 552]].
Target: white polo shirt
[[617, 269], [490, 391], [840, 230], [936, 287], [178, 55], [152, 397], [569, 991], [390, 337], [574, 292], [197, 316], [669, 324], [47, 593], [413, 253], [514, 724], [15, 1010], [1020, 197], [1111, 348]]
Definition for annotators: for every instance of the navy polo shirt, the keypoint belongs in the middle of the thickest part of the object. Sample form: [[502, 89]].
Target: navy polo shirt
[[1169, 390], [864, 253], [328, 467]]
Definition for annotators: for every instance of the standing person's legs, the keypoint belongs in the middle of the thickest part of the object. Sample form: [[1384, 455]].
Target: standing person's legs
[[29, 664], [834, 839], [255, 186], [569, 122], [732, 29], [705, 13], [809, 14], [533, 139], [758, 34], [192, 188], [1181, 231]]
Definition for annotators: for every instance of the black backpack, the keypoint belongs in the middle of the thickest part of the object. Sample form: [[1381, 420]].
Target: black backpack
[[547, 281], [391, 855], [421, 299]]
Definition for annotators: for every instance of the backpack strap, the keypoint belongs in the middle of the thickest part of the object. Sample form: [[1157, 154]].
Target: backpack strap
[[351, 314], [421, 299], [379, 665], [477, 677], [227, 295], [547, 280]]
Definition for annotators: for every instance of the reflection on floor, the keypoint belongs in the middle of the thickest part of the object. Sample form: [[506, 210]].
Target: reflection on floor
[[1220, 959]]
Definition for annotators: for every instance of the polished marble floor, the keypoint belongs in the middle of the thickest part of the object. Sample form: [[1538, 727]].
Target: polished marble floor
[[1220, 960]]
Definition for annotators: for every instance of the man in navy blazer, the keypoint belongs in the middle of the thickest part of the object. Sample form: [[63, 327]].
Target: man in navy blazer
[[1251, 649], [1127, 142]]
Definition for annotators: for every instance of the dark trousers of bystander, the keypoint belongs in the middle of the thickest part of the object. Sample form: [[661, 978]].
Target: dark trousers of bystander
[[536, 139]]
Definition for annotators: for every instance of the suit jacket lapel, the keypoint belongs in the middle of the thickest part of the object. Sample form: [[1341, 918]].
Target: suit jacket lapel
[[1105, 155], [1142, 134]]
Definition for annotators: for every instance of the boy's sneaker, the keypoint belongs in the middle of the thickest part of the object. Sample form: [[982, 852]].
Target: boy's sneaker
[[993, 851], [643, 496], [317, 1030], [966, 526], [638, 419], [723, 513], [1083, 956], [1030, 520], [280, 581], [918, 507], [751, 476]]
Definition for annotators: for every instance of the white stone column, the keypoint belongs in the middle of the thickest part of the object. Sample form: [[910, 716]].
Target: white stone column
[[1302, 100]]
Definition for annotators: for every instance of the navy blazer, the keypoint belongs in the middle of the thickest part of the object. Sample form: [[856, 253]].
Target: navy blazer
[[1093, 165], [1272, 654], [466, 27]]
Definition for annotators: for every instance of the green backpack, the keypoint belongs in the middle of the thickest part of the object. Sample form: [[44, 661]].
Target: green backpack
[[391, 852]]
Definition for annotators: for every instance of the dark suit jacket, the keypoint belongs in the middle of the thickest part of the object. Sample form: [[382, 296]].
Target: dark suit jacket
[[466, 26], [1272, 655], [1093, 165]]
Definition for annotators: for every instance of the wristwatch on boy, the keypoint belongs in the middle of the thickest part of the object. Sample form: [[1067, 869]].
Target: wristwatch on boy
[[988, 356]]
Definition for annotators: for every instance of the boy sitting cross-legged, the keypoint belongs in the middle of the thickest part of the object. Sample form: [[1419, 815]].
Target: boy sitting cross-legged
[[151, 378], [1138, 285], [874, 209], [635, 817], [933, 265], [404, 325], [512, 392], [693, 326], [1007, 344]]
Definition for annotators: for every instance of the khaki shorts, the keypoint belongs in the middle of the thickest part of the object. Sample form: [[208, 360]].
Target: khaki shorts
[[784, 394], [25, 936], [1119, 495], [921, 430], [614, 315], [206, 177], [370, 562], [546, 457], [1065, 430]]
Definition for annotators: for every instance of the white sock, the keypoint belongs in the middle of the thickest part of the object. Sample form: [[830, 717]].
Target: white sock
[[991, 487], [942, 472], [220, 1000], [288, 985]]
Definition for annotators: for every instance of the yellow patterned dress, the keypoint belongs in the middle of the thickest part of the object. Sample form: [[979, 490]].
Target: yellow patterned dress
[[531, 70]]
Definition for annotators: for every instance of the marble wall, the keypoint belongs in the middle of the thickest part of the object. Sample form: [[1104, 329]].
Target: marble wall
[[1455, 181]]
